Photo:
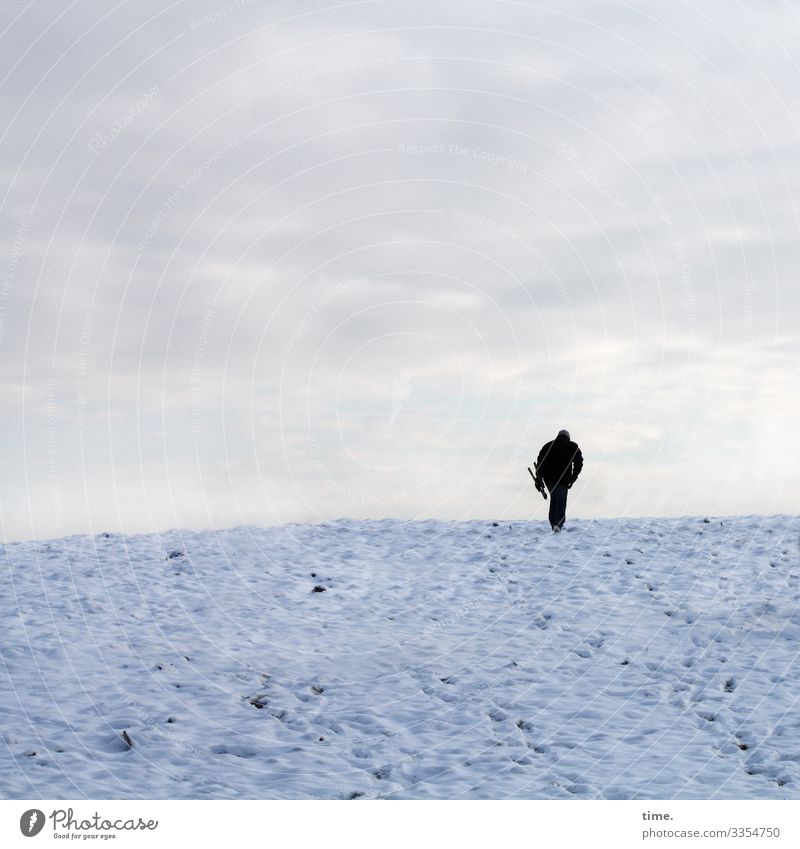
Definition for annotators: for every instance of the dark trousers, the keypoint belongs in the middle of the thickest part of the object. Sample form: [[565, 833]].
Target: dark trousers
[[558, 505]]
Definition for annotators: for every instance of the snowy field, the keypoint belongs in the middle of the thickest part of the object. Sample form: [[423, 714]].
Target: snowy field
[[621, 659]]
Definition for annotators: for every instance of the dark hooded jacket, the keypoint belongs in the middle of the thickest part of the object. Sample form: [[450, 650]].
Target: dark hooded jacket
[[559, 461]]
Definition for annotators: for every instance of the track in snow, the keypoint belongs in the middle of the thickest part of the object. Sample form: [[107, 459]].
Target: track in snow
[[621, 659]]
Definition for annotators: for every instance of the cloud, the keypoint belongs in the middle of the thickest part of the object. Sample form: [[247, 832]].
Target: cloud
[[286, 262]]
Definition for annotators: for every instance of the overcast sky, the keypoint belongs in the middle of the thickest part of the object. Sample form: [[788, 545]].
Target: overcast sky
[[291, 261]]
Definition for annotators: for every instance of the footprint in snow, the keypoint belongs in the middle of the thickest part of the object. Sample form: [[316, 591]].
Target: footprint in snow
[[236, 751], [594, 643], [444, 695], [382, 772], [706, 717], [542, 621]]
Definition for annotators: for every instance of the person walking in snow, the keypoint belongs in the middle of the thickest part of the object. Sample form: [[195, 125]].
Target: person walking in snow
[[558, 466]]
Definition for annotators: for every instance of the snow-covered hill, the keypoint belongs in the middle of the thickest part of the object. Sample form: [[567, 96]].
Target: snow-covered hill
[[621, 659]]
